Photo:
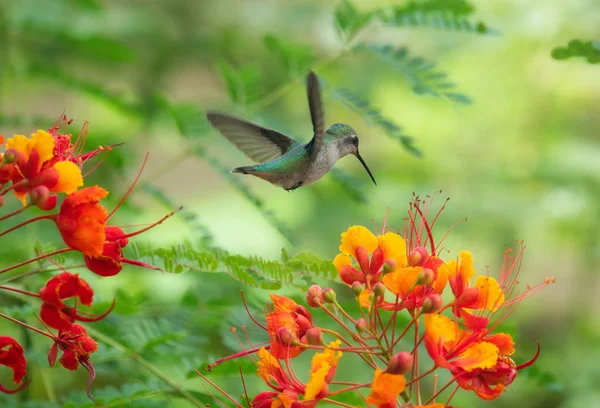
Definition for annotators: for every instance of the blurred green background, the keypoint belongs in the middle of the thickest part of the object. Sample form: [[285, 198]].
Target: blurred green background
[[522, 161]]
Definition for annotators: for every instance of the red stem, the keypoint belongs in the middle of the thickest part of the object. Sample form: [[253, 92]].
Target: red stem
[[41, 217], [23, 292], [35, 329], [20, 210], [37, 258]]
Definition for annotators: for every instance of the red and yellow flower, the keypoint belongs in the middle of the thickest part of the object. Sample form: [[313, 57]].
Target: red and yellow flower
[[385, 389], [292, 318], [288, 389], [478, 361], [12, 356]]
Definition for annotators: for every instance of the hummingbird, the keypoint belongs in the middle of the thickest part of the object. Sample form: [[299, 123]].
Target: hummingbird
[[282, 160]]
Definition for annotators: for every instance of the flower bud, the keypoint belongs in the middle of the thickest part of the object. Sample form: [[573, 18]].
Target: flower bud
[[314, 296], [314, 336], [361, 325], [389, 266], [432, 303], [357, 288], [11, 156], [39, 195], [329, 295], [379, 289], [400, 363], [286, 337], [418, 256], [425, 277]]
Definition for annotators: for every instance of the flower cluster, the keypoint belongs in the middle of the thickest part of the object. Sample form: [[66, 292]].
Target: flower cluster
[[36, 170], [453, 316]]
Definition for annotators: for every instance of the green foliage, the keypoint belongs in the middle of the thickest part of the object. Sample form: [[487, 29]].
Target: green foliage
[[298, 271], [451, 15], [295, 58], [374, 116], [350, 184], [421, 74], [243, 83], [349, 20], [590, 50]]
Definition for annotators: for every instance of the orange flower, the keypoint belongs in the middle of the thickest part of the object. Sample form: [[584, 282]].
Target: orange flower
[[385, 389], [478, 361], [82, 220], [292, 318], [12, 356]]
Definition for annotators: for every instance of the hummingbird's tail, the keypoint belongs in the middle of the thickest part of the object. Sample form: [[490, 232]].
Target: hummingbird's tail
[[244, 170]]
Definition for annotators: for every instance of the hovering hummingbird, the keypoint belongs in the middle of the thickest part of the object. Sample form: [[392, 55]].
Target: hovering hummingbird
[[282, 160]]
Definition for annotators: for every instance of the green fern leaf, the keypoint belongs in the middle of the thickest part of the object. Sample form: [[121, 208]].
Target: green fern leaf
[[349, 20], [450, 15], [590, 50], [243, 84], [374, 116], [421, 74], [296, 58]]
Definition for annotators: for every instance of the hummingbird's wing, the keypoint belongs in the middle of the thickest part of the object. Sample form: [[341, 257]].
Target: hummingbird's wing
[[316, 114], [258, 143]]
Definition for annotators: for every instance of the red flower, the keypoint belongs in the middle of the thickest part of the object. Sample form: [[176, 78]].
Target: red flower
[[77, 347], [65, 285], [111, 261], [11, 356], [293, 318]]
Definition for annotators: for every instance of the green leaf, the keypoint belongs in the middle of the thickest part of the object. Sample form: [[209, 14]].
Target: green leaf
[[421, 74], [295, 58], [450, 15], [349, 20], [374, 116], [350, 184], [590, 50], [243, 84]]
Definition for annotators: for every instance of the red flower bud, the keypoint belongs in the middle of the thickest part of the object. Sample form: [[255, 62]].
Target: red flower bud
[[425, 277], [400, 363], [314, 336], [361, 325], [314, 296], [418, 256], [286, 337], [14, 156], [389, 266], [432, 303], [39, 195]]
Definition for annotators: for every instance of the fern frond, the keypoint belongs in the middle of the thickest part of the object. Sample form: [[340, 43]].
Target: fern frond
[[450, 15], [243, 84], [349, 20], [295, 58], [373, 115], [421, 74], [590, 50]]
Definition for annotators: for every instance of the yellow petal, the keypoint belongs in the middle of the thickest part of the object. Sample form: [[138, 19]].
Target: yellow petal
[[342, 260], [364, 299], [357, 236], [267, 365], [20, 143], [490, 294], [480, 355], [43, 142], [442, 279], [22, 196], [321, 365], [401, 280], [385, 388], [441, 328], [466, 265], [69, 177], [393, 247]]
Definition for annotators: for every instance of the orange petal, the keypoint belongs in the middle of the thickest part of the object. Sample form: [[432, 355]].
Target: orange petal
[[268, 366], [393, 247], [69, 177], [503, 341], [431, 406], [480, 355], [490, 295], [385, 388], [401, 280], [283, 303], [442, 329], [357, 236]]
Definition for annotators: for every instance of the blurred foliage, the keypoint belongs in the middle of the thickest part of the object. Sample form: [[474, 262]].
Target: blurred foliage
[[521, 162]]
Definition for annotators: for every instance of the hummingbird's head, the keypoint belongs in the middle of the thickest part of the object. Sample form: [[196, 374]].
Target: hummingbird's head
[[344, 140]]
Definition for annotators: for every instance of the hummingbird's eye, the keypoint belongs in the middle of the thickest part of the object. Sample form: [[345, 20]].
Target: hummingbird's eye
[[355, 140]]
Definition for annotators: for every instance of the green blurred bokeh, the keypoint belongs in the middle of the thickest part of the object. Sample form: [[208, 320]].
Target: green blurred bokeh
[[522, 162]]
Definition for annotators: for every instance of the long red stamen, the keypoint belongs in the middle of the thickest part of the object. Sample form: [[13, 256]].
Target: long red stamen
[[37, 258], [34, 219], [236, 355], [533, 360], [23, 292], [96, 317], [250, 314], [133, 234], [14, 213]]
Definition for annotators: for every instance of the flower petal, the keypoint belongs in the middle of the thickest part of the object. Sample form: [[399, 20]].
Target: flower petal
[[401, 280], [393, 247], [385, 388], [43, 142], [357, 236], [503, 341], [480, 355], [490, 295], [69, 177]]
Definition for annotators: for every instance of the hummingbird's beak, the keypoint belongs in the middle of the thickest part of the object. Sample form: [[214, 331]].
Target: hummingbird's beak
[[365, 166]]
